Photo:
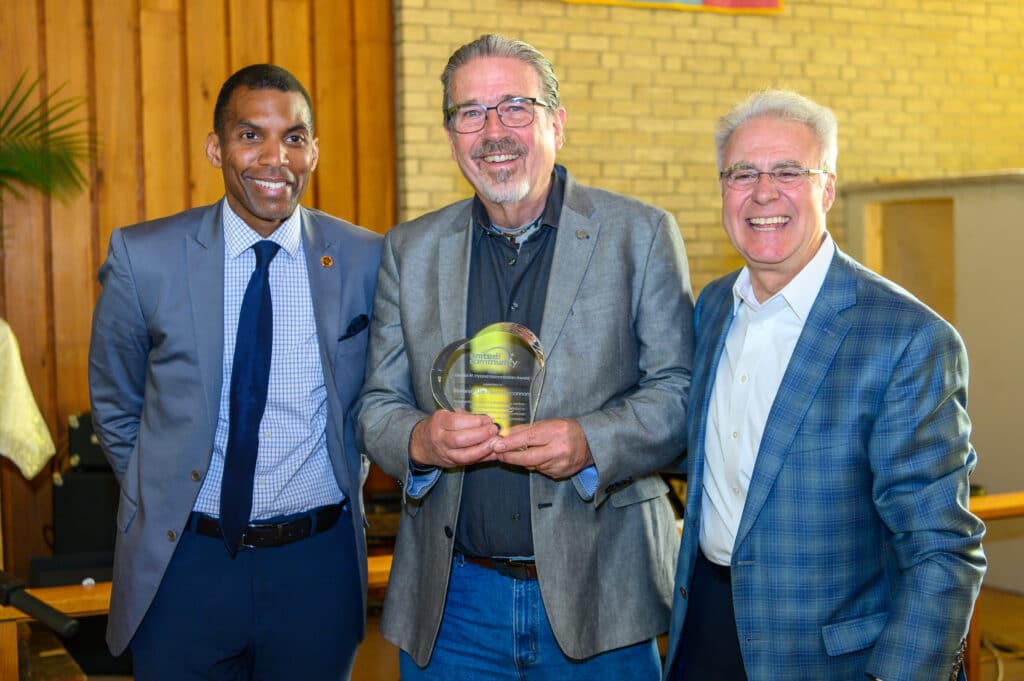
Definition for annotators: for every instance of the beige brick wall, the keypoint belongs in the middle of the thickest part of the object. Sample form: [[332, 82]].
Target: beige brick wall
[[922, 88]]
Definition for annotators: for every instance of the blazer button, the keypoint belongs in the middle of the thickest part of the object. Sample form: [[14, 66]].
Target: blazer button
[[195, 476], [448, 532], [171, 535], [682, 591]]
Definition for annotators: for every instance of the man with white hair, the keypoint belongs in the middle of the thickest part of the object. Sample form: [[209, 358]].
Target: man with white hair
[[826, 532]]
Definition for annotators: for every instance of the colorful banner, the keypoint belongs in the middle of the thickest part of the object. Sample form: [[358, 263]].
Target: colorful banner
[[733, 6]]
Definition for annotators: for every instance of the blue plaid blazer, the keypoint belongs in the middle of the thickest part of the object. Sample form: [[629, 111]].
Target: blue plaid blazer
[[856, 553]]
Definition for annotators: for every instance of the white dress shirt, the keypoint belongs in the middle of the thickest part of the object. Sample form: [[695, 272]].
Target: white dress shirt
[[293, 468], [758, 347]]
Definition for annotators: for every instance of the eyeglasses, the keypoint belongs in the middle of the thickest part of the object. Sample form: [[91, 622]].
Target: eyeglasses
[[514, 112], [745, 177]]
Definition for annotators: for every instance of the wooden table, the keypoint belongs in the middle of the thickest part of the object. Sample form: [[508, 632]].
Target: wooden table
[[988, 507], [84, 601], [81, 601]]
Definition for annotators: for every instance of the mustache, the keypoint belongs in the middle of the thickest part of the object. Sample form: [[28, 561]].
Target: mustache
[[506, 145]]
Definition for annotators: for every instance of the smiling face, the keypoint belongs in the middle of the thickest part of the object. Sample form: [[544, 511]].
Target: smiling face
[[509, 168], [267, 155], [776, 230]]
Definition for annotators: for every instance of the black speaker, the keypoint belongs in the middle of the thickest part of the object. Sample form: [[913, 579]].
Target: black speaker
[[72, 568], [84, 511], [83, 446]]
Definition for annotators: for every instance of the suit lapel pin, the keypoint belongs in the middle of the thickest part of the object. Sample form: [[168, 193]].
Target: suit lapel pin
[[327, 261], [582, 234]]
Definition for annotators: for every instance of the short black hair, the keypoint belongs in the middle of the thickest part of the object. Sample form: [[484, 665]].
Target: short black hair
[[257, 77]]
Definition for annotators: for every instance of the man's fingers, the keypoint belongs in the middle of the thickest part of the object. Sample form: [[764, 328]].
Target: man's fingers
[[461, 438]]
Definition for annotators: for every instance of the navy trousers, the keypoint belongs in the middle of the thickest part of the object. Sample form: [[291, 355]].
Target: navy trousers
[[285, 612], [709, 646]]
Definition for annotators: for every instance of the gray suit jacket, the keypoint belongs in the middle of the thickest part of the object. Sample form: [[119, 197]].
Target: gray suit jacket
[[617, 336], [155, 378]]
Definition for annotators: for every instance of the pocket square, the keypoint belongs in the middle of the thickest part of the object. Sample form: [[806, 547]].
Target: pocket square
[[355, 326]]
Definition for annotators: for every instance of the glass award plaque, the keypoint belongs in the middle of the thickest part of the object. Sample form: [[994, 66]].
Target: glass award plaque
[[498, 372]]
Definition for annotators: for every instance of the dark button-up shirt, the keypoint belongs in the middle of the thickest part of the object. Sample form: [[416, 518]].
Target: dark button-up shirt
[[506, 284]]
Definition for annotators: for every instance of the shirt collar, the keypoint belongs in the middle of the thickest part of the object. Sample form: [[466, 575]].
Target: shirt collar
[[239, 236], [800, 293]]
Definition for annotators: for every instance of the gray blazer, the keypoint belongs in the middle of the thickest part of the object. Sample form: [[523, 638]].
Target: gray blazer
[[617, 336], [155, 378]]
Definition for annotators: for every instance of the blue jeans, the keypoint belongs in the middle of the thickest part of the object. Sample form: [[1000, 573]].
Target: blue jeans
[[495, 627]]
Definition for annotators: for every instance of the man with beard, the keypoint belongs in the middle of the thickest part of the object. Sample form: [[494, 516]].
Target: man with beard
[[549, 548], [228, 348]]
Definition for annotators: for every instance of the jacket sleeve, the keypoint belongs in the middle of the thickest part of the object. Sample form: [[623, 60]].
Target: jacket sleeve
[[921, 458], [386, 411], [118, 356], [643, 430]]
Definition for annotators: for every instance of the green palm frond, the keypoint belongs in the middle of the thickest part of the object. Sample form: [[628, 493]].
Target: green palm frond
[[41, 145]]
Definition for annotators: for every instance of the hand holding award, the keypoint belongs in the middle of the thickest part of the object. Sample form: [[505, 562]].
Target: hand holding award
[[498, 372]]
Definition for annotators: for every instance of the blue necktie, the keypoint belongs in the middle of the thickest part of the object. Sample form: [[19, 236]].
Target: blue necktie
[[250, 373]]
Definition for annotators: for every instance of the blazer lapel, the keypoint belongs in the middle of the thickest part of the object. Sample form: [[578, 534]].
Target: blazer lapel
[[322, 259], [575, 241], [715, 310], [819, 342], [454, 253], [204, 254]]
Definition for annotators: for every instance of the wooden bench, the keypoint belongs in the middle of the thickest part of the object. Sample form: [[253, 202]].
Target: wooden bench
[[82, 601]]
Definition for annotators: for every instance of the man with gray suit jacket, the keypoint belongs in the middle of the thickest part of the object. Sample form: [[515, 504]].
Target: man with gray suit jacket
[[827, 533], [228, 348], [550, 548]]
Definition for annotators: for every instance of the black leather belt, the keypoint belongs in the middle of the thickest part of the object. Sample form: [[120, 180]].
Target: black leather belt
[[516, 569], [263, 535]]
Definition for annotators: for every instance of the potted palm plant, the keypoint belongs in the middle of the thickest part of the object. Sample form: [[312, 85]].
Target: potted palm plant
[[41, 144]]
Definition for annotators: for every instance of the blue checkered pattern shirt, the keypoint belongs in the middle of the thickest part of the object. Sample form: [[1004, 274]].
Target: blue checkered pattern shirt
[[293, 470]]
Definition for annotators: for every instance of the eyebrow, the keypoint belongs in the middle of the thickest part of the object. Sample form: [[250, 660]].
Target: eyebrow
[[244, 123], [501, 99], [746, 165], [779, 164]]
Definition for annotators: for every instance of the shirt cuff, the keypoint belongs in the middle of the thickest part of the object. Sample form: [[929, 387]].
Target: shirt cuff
[[421, 479], [586, 482]]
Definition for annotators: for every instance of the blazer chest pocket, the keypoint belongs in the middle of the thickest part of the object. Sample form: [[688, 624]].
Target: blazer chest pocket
[[126, 509], [354, 339], [853, 635], [643, 489], [350, 365]]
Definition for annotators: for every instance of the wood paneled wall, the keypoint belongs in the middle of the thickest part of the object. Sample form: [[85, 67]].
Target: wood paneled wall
[[149, 71]]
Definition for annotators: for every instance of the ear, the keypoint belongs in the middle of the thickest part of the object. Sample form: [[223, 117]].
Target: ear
[[316, 154], [213, 150], [828, 194], [558, 122]]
